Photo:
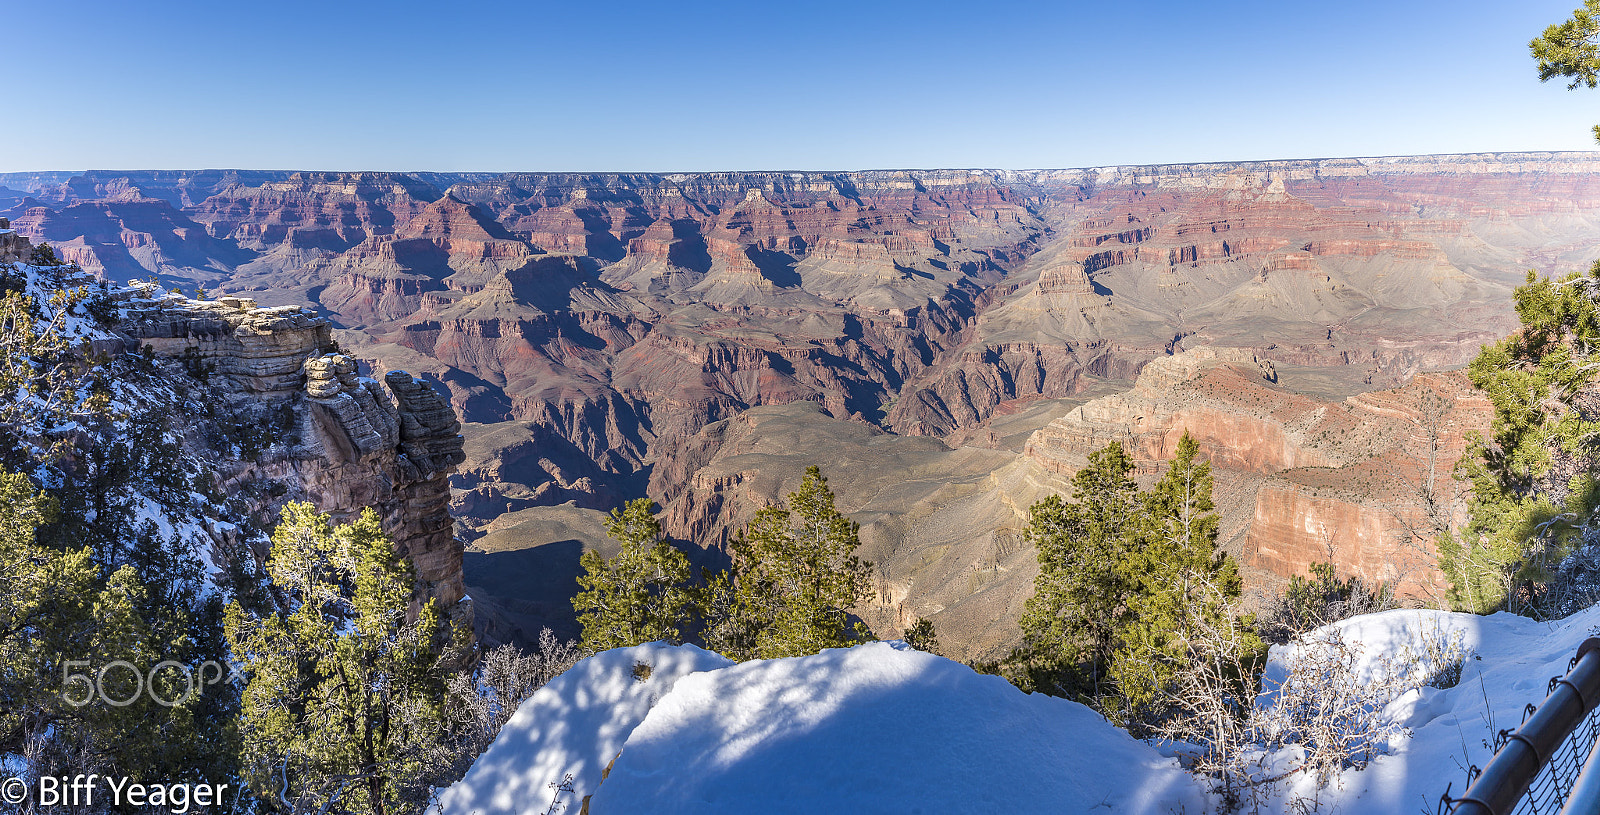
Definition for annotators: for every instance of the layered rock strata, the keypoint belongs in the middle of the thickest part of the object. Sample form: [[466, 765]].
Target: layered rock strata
[[589, 326], [1363, 483], [13, 246], [919, 301], [328, 435]]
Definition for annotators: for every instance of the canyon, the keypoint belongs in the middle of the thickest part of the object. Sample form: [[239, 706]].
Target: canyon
[[947, 344]]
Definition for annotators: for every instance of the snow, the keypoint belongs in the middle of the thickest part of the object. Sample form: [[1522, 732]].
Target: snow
[[576, 724], [193, 518], [1452, 728], [40, 281], [881, 729], [878, 728], [1389, 634]]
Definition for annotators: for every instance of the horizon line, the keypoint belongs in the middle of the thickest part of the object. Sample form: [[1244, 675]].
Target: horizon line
[[1595, 153]]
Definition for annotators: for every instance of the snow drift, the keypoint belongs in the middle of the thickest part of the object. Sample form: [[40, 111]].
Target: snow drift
[[878, 728], [883, 729], [576, 724], [1451, 728]]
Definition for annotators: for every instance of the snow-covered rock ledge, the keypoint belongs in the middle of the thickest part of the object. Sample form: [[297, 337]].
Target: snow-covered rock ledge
[[878, 728], [883, 729]]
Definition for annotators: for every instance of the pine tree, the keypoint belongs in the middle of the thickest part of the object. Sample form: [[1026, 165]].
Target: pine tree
[[187, 621], [923, 636], [1532, 483], [344, 700], [103, 624], [1123, 576], [43, 255], [41, 376], [641, 594], [47, 605], [1180, 576], [728, 624], [1568, 49], [795, 578], [1072, 623], [66, 621]]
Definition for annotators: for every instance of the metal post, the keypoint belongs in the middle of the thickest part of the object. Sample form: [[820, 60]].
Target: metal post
[[1513, 768], [1585, 797]]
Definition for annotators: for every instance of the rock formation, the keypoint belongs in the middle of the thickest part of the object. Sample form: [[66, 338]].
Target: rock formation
[[919, 301], [330, 436], [13, 246], [1299, 480], [588, 326], [315, 429]]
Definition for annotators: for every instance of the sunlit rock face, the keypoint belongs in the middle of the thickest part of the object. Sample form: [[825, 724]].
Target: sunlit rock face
[[1299, 480], [344, 442], [14, 246], [302, 423], [589, 328]]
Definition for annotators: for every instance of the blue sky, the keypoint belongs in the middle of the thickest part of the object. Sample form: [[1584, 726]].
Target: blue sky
[[772, 84]]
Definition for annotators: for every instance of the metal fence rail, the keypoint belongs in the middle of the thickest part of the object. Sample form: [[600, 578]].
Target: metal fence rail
[[1535, 767]]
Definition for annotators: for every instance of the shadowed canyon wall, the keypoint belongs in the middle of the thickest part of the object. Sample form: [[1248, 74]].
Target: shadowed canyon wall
[[595, 330]]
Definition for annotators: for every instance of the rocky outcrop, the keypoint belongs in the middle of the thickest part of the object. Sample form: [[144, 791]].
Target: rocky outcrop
[[1149, 419], [1299, 480], [13, 246], [327, 434], [305, 424], [260, 350]]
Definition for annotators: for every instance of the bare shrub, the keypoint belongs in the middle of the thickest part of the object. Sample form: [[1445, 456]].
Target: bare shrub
[[1440, 659], [486, 698], [47, 754], [1324, 715], [1211, 707], [1327, 707]]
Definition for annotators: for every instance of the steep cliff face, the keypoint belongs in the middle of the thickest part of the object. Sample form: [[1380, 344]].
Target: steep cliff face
[[330, 210], [1364, 483], [13, 246], [448, 246], [315, 430], [589, 326], [128, 237], [726, 293], [941, 525]]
